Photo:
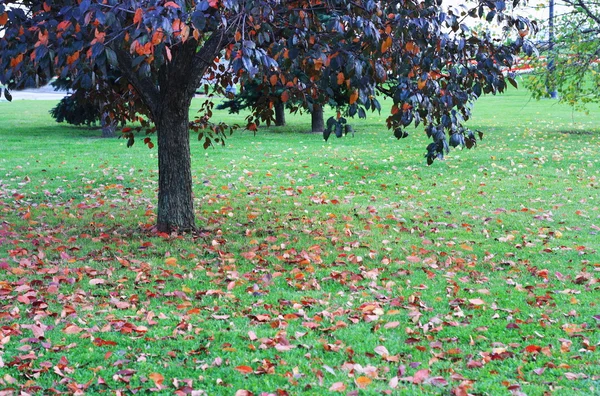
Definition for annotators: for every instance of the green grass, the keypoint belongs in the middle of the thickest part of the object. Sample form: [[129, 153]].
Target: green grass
[[482, 269]]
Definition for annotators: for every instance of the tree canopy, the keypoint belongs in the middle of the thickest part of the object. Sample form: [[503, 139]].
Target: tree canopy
[[426, 58], [570, 64]]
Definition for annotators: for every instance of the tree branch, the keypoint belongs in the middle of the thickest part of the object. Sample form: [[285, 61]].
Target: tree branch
[[143, 85]]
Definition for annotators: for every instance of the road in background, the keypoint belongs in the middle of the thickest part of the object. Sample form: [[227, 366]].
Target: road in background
[[43, 93]]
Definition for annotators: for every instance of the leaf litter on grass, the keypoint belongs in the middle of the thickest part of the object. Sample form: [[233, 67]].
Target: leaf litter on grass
[[340, 272]]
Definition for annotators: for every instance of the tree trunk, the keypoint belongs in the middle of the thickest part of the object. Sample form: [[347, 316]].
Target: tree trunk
[[318, 122], [108, 126], [279, 114], [175, 199]]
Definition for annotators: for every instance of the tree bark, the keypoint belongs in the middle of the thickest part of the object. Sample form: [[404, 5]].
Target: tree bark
[[108, 126], [279, 114], [175, 198], [169, 100], [318, 122]]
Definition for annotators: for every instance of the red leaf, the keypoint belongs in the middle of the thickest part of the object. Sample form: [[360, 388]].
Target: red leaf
[[533, 348], [171, 4], [101, 342]]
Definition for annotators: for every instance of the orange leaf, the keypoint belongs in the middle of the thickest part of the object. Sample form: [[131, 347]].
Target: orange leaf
[[340, 78], [15, 61], [72, 58], [3, 19], [168, 51], [386, 44], [245, 369], [273, 79], [157, 378], [466, 247], [157, 37], [353, 97], [171, 4], [238, 35], [171, 261], [318, 64], [137, 18], [363, 382], [285, 96]]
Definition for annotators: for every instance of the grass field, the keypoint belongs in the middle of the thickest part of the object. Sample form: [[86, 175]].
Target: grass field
[[346, 266]]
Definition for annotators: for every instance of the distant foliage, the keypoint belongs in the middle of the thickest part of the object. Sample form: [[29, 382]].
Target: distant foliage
[[572, 67], [75, 112]]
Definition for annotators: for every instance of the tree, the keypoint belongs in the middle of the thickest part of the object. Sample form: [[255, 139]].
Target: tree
[[254, 94], [109, 102], [571, 62], [423, 57]]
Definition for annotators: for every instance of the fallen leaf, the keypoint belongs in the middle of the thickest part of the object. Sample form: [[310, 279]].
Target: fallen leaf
[[245, 369], [362, 382], [337, 387], [157, 378]]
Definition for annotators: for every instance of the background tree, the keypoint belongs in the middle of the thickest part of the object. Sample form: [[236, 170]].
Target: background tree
[[108, 103], [420, 55], [571, 67]]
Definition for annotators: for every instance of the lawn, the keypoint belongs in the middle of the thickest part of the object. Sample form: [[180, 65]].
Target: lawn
[[346, 266]]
